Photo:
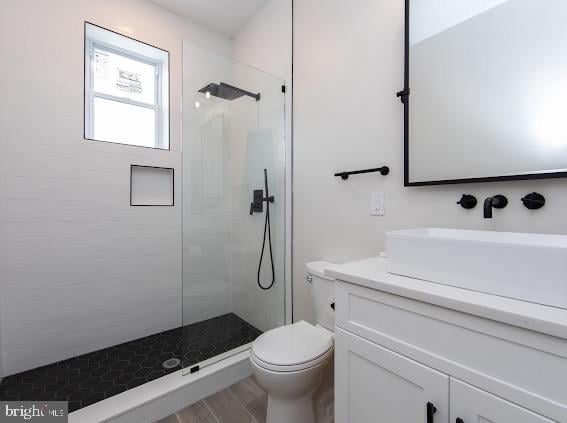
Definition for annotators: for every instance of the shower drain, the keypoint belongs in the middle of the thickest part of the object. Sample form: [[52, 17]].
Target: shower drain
[[171, 363]]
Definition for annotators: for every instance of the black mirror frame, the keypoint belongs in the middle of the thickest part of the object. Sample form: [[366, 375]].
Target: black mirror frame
[[404, 97]]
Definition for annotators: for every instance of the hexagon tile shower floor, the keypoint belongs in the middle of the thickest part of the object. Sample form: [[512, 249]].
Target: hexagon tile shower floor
[[92, 377]]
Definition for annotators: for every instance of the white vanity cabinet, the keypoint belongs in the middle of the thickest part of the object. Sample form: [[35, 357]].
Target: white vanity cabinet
[[469, 404], [374, 384], [399, 352]]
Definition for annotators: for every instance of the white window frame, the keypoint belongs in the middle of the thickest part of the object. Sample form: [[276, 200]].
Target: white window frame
[[90, 94]]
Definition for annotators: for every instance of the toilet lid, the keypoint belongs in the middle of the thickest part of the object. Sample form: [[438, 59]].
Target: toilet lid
[[292, 344]]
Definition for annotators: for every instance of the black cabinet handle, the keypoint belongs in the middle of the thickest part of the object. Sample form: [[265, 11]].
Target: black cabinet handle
[[431, 410], [459, 420]]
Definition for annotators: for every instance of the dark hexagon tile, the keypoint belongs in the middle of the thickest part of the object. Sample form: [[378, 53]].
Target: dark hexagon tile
[[155, 375], [143, 372], [108, 362], [74, 405], [99, 371], [67, 390], [80, 394], [137, 359], [148, 362], [103, 386], [56, 371], [78, 363], [56, 386], [77, 378], [115, 390], [121, 364], [111, 375], [94, 376], [9, 382], [69, 373], [136, 382], [46, 396], [44, 381], [91, 399], [34, 393], [20, 389], [87, 368], [131, 368], [124, 379], [90, 382]]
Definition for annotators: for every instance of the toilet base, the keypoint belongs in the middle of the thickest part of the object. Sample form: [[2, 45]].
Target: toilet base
[[286, 410], [290, 394]]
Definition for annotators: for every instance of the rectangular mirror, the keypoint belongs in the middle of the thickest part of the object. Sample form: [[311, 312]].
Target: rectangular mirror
[[485, 90]]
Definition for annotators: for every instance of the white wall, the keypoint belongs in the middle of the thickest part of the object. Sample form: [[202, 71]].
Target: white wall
[[266, 43], [348, 66], [81, 269]]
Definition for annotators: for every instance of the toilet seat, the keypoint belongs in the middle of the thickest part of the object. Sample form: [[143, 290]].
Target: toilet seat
[[292, 348]]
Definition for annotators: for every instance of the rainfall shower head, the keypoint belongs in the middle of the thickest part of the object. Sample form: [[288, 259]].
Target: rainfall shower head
[[227, 92]]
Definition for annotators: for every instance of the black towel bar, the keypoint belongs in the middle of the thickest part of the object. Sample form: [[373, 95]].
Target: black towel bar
[[384, 170]]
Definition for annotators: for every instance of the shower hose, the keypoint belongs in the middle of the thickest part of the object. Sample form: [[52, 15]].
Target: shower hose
[[267, 229]]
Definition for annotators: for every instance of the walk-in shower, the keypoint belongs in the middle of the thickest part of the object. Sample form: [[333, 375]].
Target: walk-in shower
[[233, 141], [202, 302]]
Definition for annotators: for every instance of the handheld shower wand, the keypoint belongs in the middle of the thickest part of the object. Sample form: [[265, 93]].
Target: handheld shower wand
[[257, 206]]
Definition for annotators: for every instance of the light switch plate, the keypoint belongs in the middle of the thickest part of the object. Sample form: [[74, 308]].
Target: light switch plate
[[377, 204]]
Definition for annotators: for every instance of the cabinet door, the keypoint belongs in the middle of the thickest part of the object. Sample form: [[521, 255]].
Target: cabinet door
[[373, 384], [472, 405]]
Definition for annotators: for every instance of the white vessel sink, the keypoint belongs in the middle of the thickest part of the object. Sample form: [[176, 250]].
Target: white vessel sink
[[529, 267]]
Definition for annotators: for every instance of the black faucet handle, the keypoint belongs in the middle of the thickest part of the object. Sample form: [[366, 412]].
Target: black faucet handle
[[499, 201], [534, 201], [467, 201]]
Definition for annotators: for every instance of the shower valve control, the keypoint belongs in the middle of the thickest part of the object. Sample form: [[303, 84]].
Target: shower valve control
[[257, 205]]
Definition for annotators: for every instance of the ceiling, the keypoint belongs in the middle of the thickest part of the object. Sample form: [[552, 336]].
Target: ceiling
[[226, 17]]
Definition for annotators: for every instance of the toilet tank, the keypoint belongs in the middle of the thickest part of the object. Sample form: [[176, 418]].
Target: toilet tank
[[322, 293]]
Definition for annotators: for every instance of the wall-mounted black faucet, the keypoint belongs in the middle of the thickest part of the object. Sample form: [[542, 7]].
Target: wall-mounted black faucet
[[497, 202]]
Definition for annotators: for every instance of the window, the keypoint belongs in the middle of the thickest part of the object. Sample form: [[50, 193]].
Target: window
[[126, 90]]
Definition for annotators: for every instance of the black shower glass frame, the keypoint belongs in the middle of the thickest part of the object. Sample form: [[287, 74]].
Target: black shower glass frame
[[404, 96]]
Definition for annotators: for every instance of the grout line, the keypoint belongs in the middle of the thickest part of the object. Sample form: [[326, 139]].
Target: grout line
[[242, 405], [210, 409]]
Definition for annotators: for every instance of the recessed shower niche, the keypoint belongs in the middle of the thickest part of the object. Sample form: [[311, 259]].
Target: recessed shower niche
[[151, 186]]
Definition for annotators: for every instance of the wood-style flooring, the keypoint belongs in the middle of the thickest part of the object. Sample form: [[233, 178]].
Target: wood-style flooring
[[246, 402]]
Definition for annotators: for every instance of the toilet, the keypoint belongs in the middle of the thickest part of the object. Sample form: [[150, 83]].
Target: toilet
[[288, 361]]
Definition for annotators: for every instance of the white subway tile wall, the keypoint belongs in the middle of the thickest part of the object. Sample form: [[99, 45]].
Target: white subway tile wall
[[81, 269]]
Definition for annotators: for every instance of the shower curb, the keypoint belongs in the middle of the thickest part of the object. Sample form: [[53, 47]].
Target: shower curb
[[164, 396]]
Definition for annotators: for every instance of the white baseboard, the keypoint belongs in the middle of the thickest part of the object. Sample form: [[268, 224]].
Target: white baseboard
[[164, 396]]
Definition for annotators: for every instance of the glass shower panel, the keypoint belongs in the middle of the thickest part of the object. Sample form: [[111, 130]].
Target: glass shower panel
[[233, 130]]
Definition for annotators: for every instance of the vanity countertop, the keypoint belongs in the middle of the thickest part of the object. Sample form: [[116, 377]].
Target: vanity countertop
[[372, 273]]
